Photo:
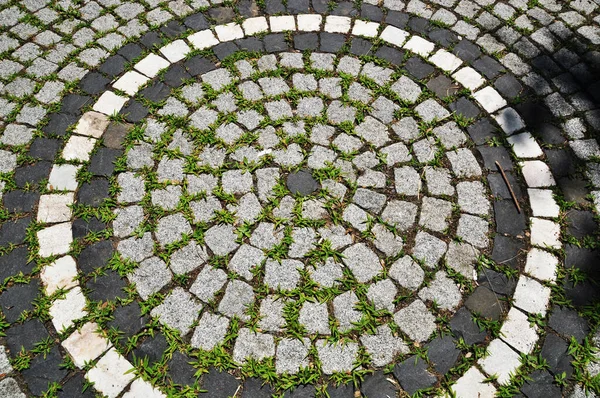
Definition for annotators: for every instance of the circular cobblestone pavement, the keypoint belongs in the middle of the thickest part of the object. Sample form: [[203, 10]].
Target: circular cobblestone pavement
[[303, 204]]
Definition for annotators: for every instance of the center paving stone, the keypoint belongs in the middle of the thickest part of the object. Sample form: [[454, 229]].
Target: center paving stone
[[302, 183]]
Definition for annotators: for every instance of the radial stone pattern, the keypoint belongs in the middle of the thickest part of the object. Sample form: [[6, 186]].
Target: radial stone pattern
[[297, 205], [381, 173]]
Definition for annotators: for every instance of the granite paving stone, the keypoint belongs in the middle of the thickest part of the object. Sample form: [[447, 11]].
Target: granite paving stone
[[178, 311], [416, 321], [336, 358]]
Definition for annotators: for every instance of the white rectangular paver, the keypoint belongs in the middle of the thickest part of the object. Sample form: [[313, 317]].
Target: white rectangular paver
[[65, 311], [111, 374], [151, 65], [203, 39], [531, 296], [55, 208], [541, 264], [394, 36], [525, 146], [141, 388], [537, 174], [469, 78], [255, 25], [518, 332], [109, 103], [55, 240], [92, 124], [473, 384], [365, 28], [282, 23], [62, 177], [337, 24], [175, 51], [86, 344], [542, 203], [420, 46], [501, 361], [59, 274], [445, 60], [309, 22], [79, 148], [545, 233], [509, 120], [229, 31], [489, 99], [131, 82]]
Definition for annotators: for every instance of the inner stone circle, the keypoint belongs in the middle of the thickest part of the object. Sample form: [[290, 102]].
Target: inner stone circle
[[331, 205]]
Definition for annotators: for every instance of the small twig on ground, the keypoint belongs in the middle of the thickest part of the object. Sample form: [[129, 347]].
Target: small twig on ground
[[512, 193]]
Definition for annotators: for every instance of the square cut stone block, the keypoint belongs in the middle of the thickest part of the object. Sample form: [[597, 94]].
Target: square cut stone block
[[64, 311], [545, 233], [131, 82], [541, 264], [537, 174], [109, 103], [542, 203], [111, 374], [54, 208], [420, 46], [489, 99], [469, 78], [473, 384], [445, 60], [501, 361], [282, 23], [60, 274], [151, 65], [229, 32], [509, 120], [364, 28], [309, 22], [337, 24], [204, 39], [525, 146], [394, 36], [141, 388], [531, 296], [62, 177], [55, 240], [79, 148], [256, 25], [518, 332], [175, 51], [92, 124], [86, 344]]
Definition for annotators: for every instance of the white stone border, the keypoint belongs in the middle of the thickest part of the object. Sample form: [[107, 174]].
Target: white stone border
[[530, 297]]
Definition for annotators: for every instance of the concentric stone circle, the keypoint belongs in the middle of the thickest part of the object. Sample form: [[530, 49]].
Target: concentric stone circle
[[109, 103], [471, 380], [395, 192]]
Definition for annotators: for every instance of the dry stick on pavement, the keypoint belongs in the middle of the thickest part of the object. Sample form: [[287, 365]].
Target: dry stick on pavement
[[512, 193]]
